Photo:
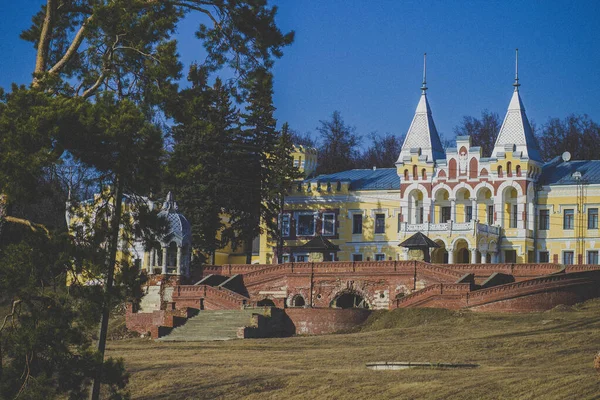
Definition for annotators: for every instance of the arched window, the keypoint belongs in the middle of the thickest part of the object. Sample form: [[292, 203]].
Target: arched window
[[339, 186], [452, 169], [499, 171], [329, 186], [405, 174], [415, 173], [424, 174], [518, 170], [509, 169]]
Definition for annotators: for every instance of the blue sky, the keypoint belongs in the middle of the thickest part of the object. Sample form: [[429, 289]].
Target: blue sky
[[364, 58]]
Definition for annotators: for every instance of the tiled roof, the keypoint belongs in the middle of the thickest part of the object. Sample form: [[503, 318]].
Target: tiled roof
[[423, 134], [364, 179], [558, 172], [516, 131]]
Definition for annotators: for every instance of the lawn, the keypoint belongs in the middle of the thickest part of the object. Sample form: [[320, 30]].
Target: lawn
[[545, 355]]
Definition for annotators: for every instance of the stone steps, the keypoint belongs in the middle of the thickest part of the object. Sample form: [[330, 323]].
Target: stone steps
[[151, 300], [211, 325]]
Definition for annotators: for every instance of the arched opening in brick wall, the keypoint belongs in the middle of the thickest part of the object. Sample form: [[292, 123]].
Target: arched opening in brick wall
[[266, 303], [298, 301], [349, 299]]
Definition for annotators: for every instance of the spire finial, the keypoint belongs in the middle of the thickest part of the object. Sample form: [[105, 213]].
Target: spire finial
[[424, 86], [516, 84]]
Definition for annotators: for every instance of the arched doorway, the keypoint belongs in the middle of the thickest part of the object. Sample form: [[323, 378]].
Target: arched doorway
[[442, 204], [415, 207], [266, 303], [439, 255], [464, 209], [510, 215], [485, 206], [172, 255], [349, 300], [461, 252]]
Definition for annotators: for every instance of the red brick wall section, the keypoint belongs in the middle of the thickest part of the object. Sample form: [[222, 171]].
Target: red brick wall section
[[145, 322], [318, 321]]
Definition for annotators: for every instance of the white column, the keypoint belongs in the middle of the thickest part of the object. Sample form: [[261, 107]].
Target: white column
[[520, 219], [474, 207], [473, 256], [499, 211], [450, 256], [452, 210], [151, 262], [484, 257], [427, 210], [164, 260], [178, 260]]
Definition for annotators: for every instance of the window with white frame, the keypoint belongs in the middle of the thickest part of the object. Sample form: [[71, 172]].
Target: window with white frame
[[568, 219], [592, 218], [301, 257], [357, 257], [379, 223], [544, 224], [328, 224], [285, 225], [285, 258], [592, 257], [306, 224], [357, 224], [568, 257], [379, 257]]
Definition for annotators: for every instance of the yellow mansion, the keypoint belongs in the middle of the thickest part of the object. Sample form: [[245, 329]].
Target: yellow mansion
[[503, 207], [507, 206]]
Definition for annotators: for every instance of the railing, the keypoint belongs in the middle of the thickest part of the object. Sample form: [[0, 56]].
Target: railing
[[453, 289], [450, 227], [530, 286], [204, 291]]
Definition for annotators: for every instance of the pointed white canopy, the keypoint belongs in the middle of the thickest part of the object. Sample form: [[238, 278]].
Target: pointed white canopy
[[516, 132], [422, 134]]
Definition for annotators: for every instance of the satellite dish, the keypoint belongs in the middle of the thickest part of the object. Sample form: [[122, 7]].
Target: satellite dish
[[566, 156]]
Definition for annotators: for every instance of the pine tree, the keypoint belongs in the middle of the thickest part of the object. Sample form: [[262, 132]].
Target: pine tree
[[284, 173], [253, 162], [123, 55], [199, 164]]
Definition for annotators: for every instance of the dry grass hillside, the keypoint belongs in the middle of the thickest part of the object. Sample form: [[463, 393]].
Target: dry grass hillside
[[522, 356]]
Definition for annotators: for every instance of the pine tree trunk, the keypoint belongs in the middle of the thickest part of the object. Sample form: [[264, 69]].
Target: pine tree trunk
[[114, 244]]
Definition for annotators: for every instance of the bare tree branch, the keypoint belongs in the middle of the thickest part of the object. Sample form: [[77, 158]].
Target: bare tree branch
[[32, 225], [72, 48], [92, 89], [12, 313], [44, 42]]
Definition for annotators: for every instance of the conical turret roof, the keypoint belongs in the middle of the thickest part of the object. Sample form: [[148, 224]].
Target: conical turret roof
[[516, 131], [423, 134]]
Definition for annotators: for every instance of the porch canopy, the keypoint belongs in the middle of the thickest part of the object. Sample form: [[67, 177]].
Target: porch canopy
[[318, 244], [418, 241]]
